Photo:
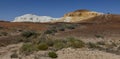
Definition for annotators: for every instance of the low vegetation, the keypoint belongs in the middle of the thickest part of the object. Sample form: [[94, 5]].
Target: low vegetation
[[1, 27], [99, 36], [52, 55], [28, 48], [3, 33], [92, 45], [42, 46], [38, 41], [50, 31], [51, 44], [59, 44], [75, 43], [28, 34], [101, 43], [60, 27], [14, 55]]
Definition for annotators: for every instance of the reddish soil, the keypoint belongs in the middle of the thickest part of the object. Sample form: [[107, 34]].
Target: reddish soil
[[33, 26]]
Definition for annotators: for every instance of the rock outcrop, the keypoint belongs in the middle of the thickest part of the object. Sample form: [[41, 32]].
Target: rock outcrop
[[34, 18], [79, 15]]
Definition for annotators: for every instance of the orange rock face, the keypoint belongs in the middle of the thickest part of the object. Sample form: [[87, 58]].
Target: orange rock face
[[79, 15]]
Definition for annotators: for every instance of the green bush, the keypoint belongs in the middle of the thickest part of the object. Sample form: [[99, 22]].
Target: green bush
[[43, 46], [28, 48], [58, 45], [50, 42], [92, 45], [52, 55], [28, 33], [78, 44], [75, 43]]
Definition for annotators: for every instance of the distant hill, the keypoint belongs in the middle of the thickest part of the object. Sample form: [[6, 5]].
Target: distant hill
[[78, 16]]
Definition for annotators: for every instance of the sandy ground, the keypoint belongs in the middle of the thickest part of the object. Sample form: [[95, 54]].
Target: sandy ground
[[5, 52], [67, 53], [85, 54]]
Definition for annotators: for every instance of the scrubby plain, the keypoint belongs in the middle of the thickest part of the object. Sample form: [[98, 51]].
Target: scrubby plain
[[83, 40]]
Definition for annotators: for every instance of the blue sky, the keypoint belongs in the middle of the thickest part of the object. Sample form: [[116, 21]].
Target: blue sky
[[9, 9]]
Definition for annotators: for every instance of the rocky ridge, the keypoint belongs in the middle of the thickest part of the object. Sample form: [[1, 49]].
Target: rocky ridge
[[74, 16]]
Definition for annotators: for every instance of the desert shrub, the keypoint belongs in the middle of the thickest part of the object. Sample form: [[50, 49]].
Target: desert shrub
[[14, 55], [52, 55], [78, 44], [99, 36], [52, 29], [92, 45], [61, 29], [43, 46], [4, 33], [101, 43], [48, 32], [50, 42], [72, 26], [75, 43], [28, 33], [58, 45], [28, 48]]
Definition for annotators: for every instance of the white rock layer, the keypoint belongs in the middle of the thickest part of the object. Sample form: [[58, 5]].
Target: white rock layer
[[34, 18]]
